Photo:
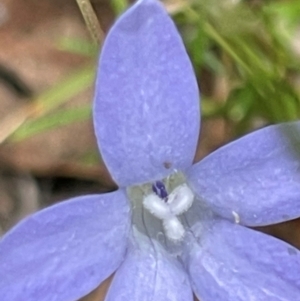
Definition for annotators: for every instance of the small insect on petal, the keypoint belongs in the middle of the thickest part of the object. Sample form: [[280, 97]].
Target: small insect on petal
[[156, 206], [181, 199], [173, 228]]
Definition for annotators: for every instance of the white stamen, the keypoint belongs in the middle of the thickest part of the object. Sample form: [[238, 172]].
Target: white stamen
[[156, 206], [181, 199], [236, 217], [173, 228]]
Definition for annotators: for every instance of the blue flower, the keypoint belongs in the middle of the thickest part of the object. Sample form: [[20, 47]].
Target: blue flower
[[172, 228]]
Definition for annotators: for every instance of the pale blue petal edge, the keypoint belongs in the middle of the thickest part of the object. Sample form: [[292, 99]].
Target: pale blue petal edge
[[227, 261], [65, 251], [254, 180], [146, 108]]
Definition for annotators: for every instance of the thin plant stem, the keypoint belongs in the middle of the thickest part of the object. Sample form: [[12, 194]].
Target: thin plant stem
[[91, 20]]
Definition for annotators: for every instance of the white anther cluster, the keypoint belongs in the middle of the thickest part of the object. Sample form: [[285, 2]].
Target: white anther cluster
[[177, 202]]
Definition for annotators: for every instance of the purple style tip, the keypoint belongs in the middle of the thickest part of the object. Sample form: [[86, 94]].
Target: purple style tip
[[160, 189]]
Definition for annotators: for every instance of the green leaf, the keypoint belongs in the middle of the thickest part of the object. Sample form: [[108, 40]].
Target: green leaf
[[52, 121], [63, 91], [77, 46], [119, 6]]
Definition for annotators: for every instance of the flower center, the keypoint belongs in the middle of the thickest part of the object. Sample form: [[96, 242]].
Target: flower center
[[166, 200]]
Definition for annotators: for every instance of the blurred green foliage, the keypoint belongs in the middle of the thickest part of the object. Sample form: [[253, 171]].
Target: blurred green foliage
[[249, 46]]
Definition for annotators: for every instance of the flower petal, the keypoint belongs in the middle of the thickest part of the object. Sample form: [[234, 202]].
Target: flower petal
[[231, 262], [254, 180], [149, 273], [146, 110], [65, 251]]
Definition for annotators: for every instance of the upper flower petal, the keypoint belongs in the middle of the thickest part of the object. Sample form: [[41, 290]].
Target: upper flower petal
[[149, 273], [65, 251], [146, 110], [231, 262], [254, 180]]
